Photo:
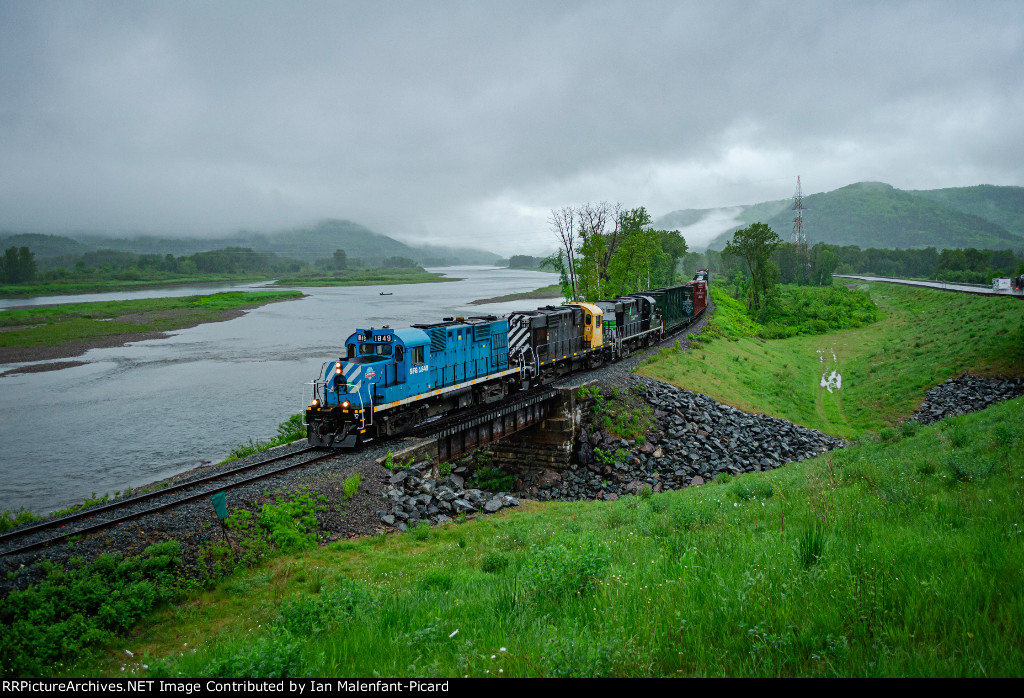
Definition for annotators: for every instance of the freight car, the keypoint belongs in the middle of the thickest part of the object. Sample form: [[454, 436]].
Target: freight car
[[389, 380]]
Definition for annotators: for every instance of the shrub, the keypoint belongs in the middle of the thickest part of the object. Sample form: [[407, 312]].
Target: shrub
[[969, 467], [74, 609], [279, 655], [422, 531], [10, 519], [494, 562], [577, 656], [339, 601], [559, 568], [493, 479]]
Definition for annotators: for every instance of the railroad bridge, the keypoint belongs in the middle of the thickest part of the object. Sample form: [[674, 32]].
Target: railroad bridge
[[534, 431]]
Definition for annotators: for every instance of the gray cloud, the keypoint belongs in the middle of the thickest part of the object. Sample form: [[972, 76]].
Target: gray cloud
[[464, 123]]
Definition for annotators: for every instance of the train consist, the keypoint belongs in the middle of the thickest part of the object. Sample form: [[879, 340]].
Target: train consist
[[390, 380]]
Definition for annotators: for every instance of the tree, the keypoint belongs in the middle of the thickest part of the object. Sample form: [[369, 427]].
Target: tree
[[340, 259], [755, 245], [18, 265], [563, 224], [825, 263]]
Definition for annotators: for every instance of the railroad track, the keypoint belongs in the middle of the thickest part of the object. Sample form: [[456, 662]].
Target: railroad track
[[28, 538], [83, 522]]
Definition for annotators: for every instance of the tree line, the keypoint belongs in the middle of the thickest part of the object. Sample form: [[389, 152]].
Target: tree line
[[607, 250], [17, 266], [816, 266]]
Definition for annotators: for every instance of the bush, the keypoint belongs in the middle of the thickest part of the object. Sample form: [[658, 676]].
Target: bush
[[493, 479], [63, 617], [493, 562], [422, 531], [276, 656], [339, 601], [559, 569], [10, 519]]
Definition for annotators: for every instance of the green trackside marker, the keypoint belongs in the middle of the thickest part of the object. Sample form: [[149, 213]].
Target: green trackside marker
[[220, 505]]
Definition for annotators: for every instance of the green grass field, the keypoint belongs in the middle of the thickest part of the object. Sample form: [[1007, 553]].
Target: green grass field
[[924, 338], [900, 557], [887, 559], [81, 322]]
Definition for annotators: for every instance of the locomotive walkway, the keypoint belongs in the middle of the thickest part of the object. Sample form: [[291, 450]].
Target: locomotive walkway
[[977, 289]]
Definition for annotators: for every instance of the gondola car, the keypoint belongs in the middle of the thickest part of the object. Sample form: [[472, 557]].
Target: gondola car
[[389, 380]]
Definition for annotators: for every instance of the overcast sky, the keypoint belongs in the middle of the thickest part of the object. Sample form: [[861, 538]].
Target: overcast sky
[[466, 122]]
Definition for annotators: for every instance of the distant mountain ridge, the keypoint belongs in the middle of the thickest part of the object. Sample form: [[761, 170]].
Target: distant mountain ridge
[[875, 214], [305, 243]]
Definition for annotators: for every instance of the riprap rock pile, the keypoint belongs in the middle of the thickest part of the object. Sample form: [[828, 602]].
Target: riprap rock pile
[[695, 439], [965, 394], [413, 498]]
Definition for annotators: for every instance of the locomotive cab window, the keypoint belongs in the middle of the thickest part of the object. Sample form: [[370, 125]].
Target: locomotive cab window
[[399, 354], [351, 351], [588, 319], [382, 349], [417, 356]]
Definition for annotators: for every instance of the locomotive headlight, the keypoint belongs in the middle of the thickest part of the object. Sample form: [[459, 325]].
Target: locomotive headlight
[[337, 364], [337, 371], [345, 404], [315, 403]]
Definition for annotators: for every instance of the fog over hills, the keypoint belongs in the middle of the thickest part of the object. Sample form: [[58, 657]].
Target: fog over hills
[[464, 124], [306, 243], [873, 214]]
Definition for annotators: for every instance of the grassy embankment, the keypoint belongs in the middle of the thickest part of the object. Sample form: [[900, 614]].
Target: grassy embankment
[[547, 292], [890, 559], [81, 323], [900, 557], [365, 277], [924, 337]]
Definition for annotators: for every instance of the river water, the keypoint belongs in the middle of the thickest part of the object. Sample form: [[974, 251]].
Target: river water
[[149, 410]]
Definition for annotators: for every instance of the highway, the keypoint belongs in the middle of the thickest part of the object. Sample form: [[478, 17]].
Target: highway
[[977, 289]]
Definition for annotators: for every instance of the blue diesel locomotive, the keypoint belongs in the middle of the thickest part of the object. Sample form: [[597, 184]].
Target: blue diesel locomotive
[[389, 380]]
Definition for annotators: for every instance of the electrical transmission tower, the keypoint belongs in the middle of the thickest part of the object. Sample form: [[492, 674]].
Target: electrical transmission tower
[[799, 238]]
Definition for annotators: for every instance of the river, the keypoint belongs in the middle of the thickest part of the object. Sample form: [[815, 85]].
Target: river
[[148, 410]]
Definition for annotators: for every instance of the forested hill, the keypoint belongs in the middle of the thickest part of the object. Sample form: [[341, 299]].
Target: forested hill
[[874, 214], [1001, 205], [304, 243]]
